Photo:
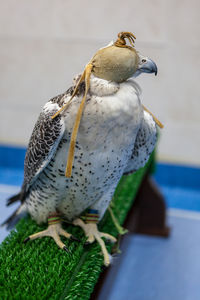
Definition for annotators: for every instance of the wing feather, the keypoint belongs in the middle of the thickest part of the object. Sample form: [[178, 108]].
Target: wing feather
[[43, 143], [144, 144]]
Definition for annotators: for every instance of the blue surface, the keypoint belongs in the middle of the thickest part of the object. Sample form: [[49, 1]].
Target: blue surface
[[178, 176], [5, 192], [11, 176], [181, 198], [12, 157], [152, 268]]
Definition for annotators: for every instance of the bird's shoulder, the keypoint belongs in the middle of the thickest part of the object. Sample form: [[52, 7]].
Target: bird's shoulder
[[45, 138]]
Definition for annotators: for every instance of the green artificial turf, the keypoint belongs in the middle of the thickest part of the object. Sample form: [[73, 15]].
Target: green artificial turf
[[39, 270]]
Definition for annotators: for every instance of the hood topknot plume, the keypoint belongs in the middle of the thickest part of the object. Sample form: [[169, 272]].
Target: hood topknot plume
[[116, 62]]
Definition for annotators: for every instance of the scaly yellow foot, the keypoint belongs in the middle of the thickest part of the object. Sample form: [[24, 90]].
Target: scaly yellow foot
[[54, 230], [92, 233]]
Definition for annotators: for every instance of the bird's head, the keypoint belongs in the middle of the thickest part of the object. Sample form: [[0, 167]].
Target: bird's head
[[119, 61], [145, 65]]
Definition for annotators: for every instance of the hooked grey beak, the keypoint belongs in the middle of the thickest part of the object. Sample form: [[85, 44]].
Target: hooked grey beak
[[149, 67]]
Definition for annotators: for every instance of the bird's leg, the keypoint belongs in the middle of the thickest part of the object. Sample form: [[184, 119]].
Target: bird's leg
[[92, 233], [54, 230], [119, 228]]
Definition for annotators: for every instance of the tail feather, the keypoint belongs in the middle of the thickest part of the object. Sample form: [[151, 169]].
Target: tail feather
[[13, 199]]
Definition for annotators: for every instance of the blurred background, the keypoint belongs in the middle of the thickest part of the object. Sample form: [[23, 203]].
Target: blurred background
[[44, 44]]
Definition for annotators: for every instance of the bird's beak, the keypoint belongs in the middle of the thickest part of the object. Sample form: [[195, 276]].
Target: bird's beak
[[149, 67]]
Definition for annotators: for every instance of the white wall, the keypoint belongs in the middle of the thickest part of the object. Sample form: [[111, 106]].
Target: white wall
[[43, 44]]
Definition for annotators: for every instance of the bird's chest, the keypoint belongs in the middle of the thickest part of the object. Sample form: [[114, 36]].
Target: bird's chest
[[105, 139], [107, 121]]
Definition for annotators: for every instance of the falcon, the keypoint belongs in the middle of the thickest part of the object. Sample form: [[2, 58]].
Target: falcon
[[112, 134]]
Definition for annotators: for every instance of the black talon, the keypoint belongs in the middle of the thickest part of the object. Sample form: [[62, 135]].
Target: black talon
[[26, 240], [66, 249], [73, 238], [87, 243], [108, 241]]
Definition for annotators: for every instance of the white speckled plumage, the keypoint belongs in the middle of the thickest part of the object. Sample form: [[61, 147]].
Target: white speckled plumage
[[112, 119]]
